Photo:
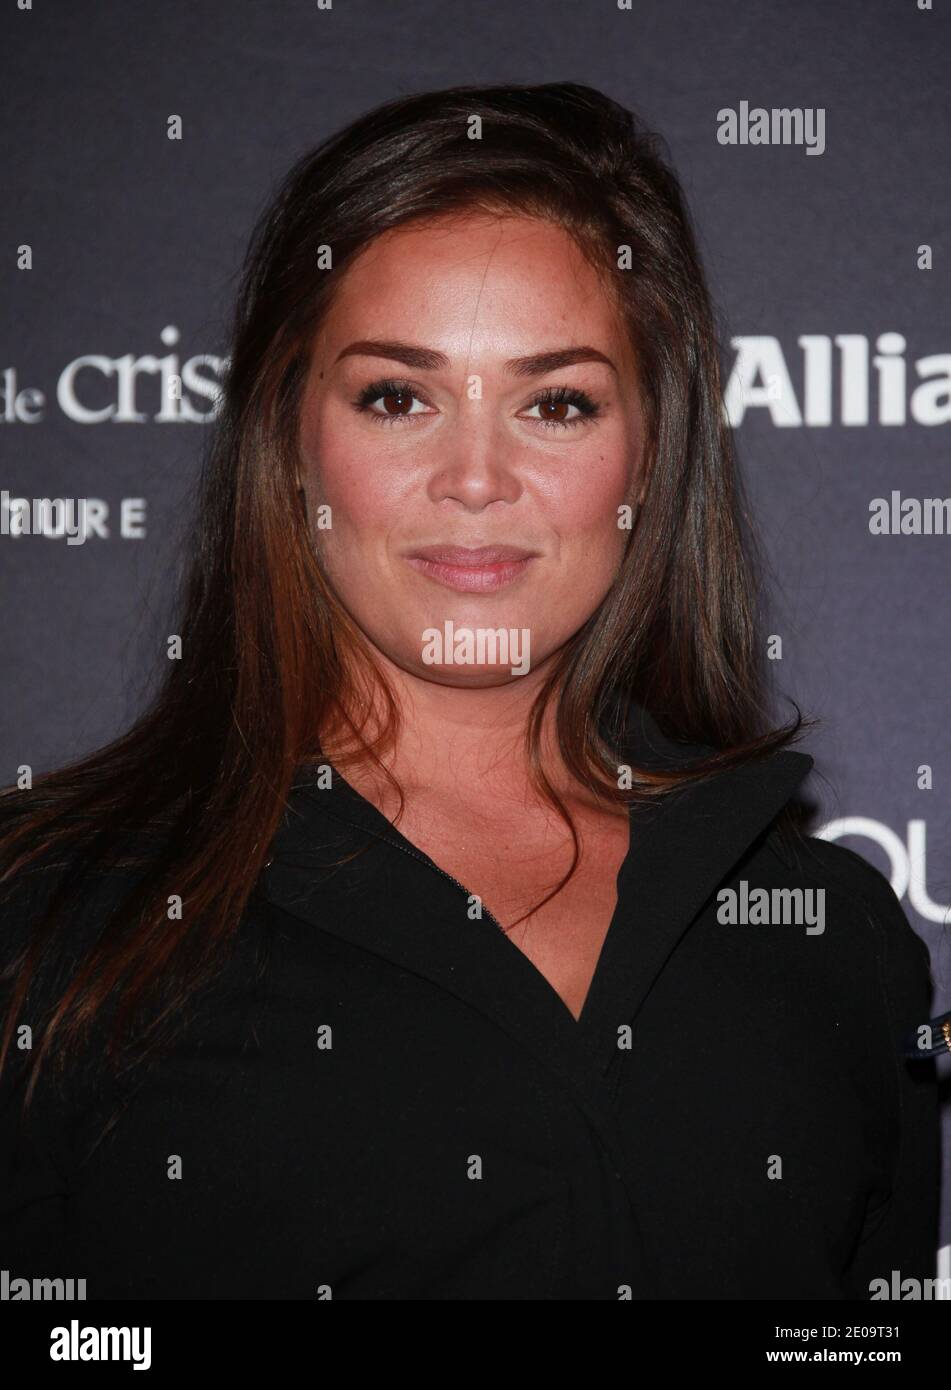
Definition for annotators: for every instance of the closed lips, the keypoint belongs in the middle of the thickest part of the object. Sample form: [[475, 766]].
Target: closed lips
[[472, 558], [484, 569]]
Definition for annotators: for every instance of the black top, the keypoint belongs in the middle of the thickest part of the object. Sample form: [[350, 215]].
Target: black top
[[382, 1098]]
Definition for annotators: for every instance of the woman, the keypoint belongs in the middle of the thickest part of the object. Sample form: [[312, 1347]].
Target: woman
[[392, 954]]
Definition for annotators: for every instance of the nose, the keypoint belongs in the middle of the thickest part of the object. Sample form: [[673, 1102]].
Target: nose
[[477, 463]]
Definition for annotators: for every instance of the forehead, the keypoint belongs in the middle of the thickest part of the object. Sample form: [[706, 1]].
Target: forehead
[[506, 276]]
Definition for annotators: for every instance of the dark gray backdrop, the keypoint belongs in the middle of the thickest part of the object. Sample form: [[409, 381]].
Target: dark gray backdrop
[[133, 234]]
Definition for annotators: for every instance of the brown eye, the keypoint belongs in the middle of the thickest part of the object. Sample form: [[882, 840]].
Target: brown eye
[[555, 403], [397, 402]]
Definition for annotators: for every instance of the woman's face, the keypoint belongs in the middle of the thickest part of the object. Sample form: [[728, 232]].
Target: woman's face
[[430, 420]]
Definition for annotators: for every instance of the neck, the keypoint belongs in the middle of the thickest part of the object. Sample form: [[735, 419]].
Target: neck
[[468, 742]]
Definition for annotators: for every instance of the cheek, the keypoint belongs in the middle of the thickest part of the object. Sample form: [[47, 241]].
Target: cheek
[[584, 499], [588, 508], [345, 473]]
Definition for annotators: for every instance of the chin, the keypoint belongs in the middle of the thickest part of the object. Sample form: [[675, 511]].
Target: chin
[[468, 677]]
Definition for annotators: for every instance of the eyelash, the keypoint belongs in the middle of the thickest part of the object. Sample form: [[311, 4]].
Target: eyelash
[[557, 395]]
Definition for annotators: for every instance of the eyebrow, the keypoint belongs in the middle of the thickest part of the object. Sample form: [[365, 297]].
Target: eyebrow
[[429, 360]]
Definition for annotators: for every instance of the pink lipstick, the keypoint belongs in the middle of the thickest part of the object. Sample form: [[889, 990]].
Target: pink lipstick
[[481, 570]]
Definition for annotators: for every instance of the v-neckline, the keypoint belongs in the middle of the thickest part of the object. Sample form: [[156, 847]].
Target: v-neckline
[[391, 834], [679, 850]]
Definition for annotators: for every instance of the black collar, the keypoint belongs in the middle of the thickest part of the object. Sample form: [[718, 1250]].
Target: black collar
[[680, 850], [385, 903]]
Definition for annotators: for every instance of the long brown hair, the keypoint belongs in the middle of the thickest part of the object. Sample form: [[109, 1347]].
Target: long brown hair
[[193, 793]]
